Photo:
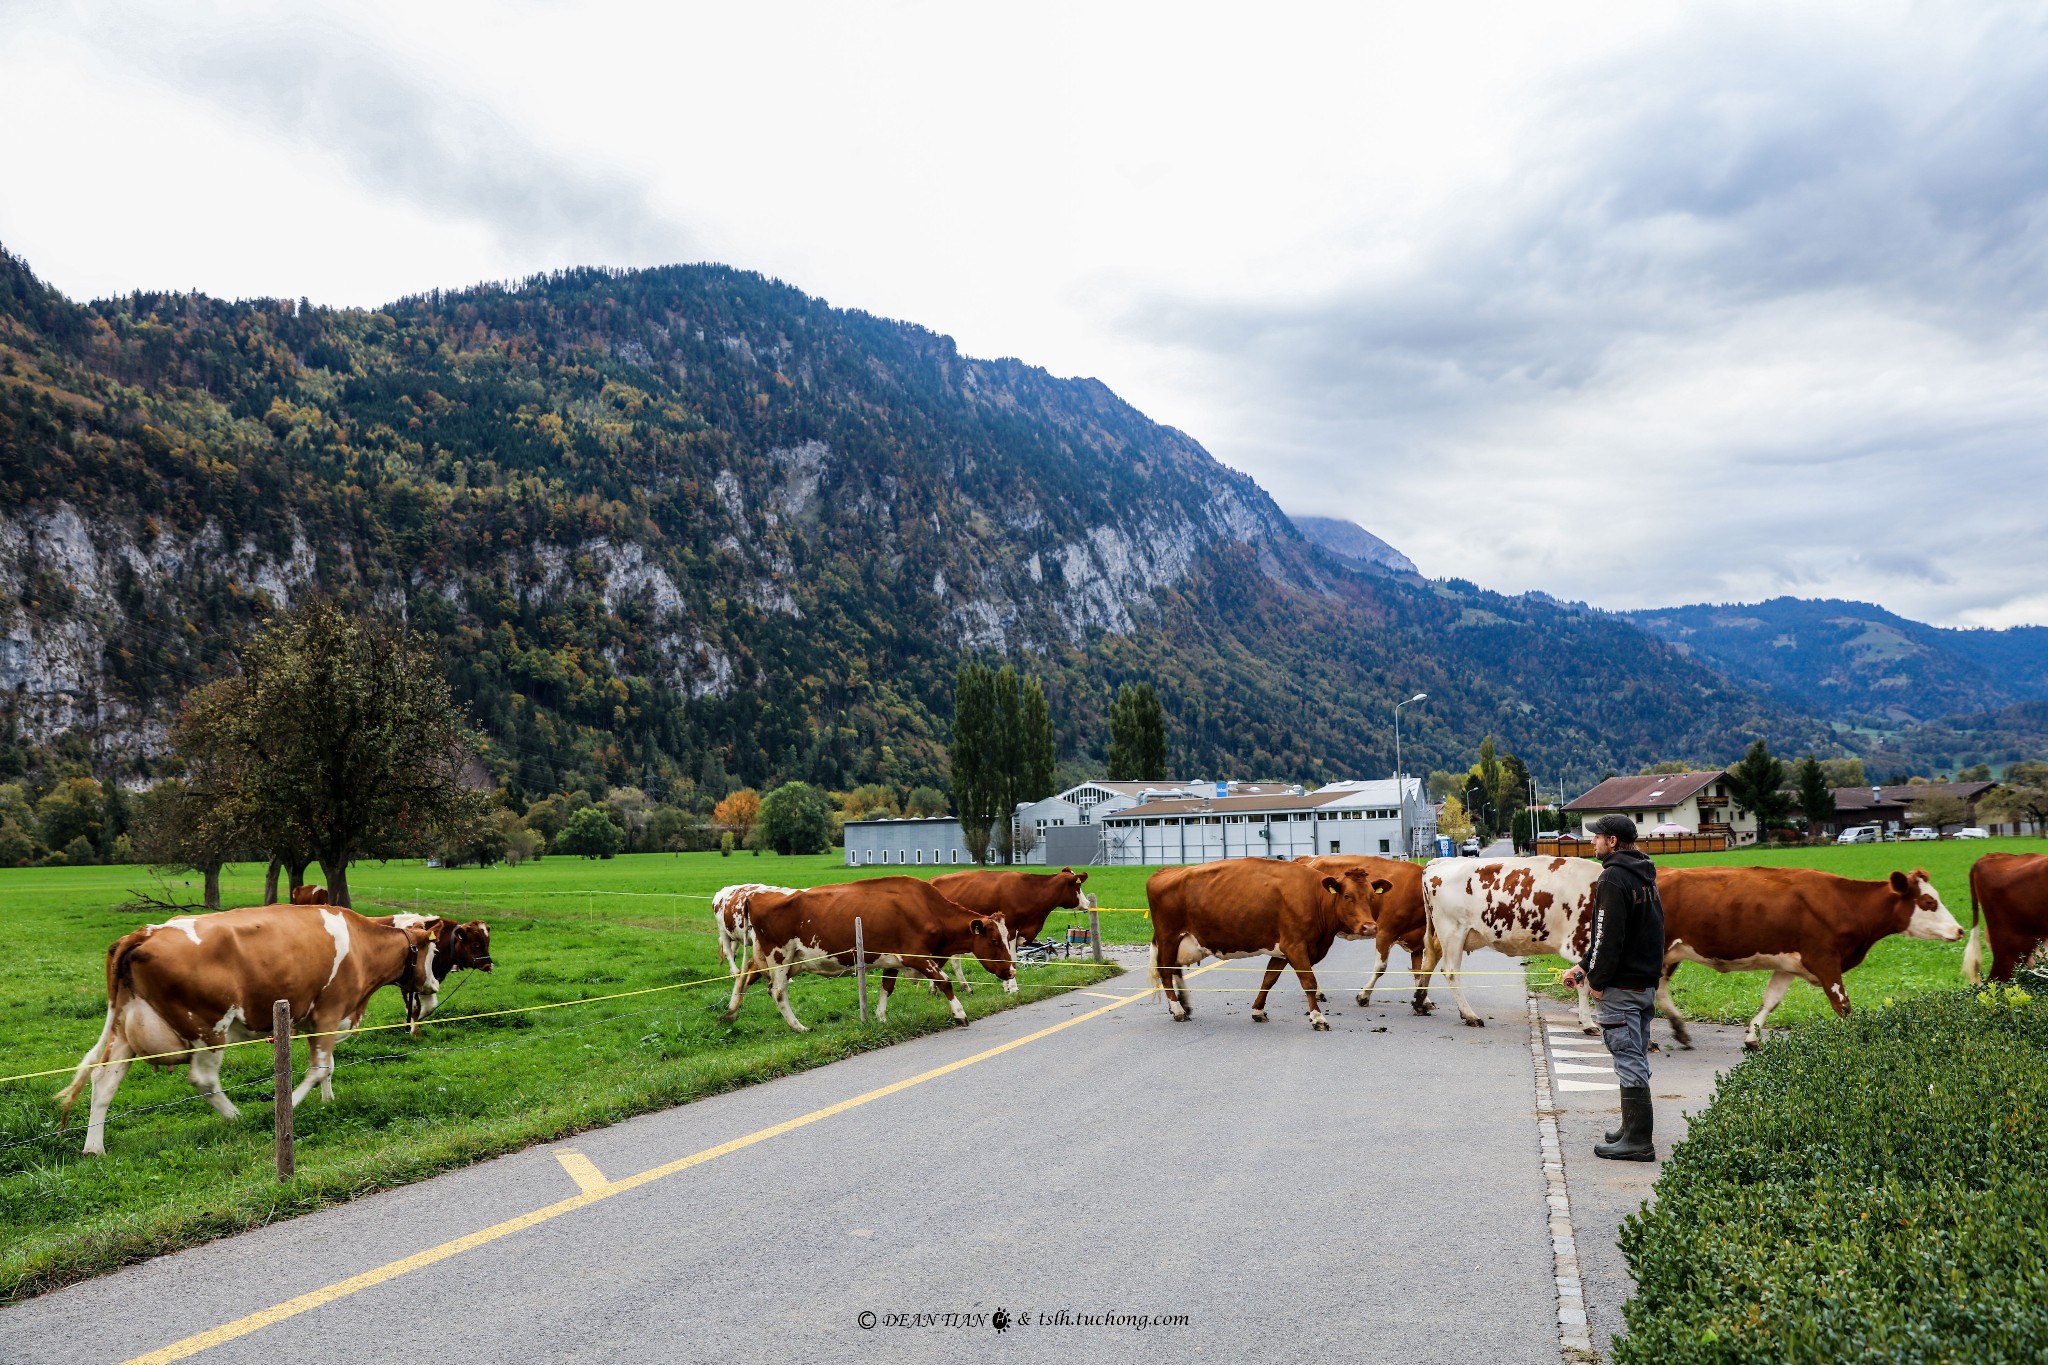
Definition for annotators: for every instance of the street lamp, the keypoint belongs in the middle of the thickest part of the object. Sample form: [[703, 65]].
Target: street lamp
[[1400, 787]]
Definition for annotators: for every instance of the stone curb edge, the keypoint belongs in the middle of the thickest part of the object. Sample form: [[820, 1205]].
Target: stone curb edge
[[1574, 1332]]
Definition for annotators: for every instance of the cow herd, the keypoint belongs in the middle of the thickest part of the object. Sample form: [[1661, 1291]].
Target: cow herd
[[181, 991]]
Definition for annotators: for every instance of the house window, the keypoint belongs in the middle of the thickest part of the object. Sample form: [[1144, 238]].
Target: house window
[[955, 858], [1335, 846], [1386, 845], [920, 857], [871, 855]]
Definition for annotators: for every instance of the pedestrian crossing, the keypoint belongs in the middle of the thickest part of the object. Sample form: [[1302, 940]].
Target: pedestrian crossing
[[1577, 1062]]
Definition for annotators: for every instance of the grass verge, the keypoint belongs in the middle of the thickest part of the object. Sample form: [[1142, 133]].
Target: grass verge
[[566, 931]]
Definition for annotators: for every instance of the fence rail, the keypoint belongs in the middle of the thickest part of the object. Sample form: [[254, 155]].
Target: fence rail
[[1652, 844]]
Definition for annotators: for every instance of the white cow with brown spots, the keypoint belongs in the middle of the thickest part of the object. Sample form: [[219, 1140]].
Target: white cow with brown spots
[[728, 912], [194, 984], [1523, 907]]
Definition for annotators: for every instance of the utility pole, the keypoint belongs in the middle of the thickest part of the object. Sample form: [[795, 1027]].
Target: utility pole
[[1401, 786]]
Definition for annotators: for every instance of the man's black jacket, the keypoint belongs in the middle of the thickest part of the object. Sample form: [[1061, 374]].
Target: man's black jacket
[[1626, 949]]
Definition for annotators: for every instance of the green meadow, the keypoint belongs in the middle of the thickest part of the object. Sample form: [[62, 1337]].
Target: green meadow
[[565, 932]]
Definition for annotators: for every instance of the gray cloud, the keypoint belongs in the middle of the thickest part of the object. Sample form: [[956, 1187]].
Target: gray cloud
[[400, 128], [1782, 282]]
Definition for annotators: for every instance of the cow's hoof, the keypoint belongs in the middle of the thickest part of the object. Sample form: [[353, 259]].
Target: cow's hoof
[[959, 1023], [1590, 1030], [1363, 1001], [1752, 1045], [1475, 1022], [1322, 1026], [1424, 1007], [1258, 1016]]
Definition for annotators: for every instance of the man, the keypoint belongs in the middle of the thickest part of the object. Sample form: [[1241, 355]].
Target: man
[[1624, 958]]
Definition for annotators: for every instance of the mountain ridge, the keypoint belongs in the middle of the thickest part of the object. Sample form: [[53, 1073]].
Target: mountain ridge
[[689, 526]]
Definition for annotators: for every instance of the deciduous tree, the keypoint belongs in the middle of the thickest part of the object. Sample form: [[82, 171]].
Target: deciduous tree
[[796, 818]]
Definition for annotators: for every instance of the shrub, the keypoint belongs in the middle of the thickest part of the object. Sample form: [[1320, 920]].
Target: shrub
[[1870, 1189]]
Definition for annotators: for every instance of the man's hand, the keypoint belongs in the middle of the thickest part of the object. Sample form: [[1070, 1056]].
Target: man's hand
[[1572, 978]]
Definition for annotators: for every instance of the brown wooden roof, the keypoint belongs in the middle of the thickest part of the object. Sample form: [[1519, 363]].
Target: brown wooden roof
[[1661, 791]]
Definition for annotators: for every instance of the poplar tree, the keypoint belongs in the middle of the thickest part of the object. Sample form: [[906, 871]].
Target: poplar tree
[[1003, 752], [1137, 735]]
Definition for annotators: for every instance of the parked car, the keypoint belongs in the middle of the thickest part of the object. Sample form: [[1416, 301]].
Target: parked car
[[1972, 832], [1923, 832], [1470, 848], [1858, 834]]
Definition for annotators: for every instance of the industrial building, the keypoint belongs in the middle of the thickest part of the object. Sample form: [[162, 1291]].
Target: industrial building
[[1342, 818]]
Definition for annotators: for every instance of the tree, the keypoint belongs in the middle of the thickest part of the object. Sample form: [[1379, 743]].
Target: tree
[[1443, 785], [1758, 785], [1453, 821], [872, 801], [73, 809], [1137, 735], [629, 811], [738, 812], [1979, 772], [175, 830], [348, 741], [925, 803], [1816, 794], [1515, 784], [590, 833], [1675, 765], [1938, 810], [1002, 752], [796, 818], [2021, 798], [976, 764], [1844, 772], [547, 816]]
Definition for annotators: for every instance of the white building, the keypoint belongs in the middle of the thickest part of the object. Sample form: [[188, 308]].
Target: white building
[[1342, 818], [906, 843], [1092, 801]]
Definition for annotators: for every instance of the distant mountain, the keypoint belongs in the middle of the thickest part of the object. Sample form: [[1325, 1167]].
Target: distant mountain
[[1852, 659], [1352, 543], [687, 527]]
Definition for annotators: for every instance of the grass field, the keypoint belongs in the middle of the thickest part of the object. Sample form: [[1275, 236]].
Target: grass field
[[563, 930], [1897, 967]]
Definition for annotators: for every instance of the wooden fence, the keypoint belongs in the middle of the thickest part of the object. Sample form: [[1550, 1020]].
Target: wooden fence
[[1651, 844]]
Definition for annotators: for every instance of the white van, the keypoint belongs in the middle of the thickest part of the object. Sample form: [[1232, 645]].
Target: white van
[[1858, 834]]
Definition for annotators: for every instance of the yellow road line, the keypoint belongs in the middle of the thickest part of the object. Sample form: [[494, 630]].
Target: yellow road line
[[341, 1289], [582, 1170]]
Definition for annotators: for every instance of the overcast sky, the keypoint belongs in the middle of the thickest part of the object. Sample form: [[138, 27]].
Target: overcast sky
[[1638, 304]]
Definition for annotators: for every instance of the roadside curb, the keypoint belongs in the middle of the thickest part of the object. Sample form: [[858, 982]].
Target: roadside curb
[[1574, 1334]]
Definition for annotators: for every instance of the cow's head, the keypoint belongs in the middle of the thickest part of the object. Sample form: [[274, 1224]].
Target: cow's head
[[309, 895], [1356, 897], [420, 984], [992, 950], [464, 947], [1928, 917], [1071, 896]]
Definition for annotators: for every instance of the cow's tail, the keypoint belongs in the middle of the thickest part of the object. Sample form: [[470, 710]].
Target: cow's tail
[[1153, 974], [1973, 954]]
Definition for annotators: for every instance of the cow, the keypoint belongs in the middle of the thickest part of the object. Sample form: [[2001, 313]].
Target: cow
[[1790, 922], [2011, 891], [457, 948], [194, 984], [1287, 912], [905, 925], [1023, 901], [725, 907], [1523, 907], [307, 895], [1403, 917]]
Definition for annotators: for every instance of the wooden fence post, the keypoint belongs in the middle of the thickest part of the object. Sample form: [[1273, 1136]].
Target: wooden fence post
[[860, 967], [1095, 932], [281, 1051]]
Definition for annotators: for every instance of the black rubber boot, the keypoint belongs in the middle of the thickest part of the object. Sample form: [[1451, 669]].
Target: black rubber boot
[[1638, 1121]]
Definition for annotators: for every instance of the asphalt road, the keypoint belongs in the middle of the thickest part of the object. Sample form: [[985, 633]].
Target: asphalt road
[[1352, 1195]]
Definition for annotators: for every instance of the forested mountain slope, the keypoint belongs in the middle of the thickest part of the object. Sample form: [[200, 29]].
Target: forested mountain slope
[[690, 526], [1853, 659]]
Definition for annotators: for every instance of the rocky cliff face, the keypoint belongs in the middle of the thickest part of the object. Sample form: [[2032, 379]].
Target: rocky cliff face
[[690, 525]]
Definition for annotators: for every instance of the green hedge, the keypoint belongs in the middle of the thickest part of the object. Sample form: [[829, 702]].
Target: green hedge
[[1874, 1189]]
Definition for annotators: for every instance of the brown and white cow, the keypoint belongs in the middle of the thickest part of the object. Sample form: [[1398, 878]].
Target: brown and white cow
[[194, 984], [725, 913], [460, 947], [2010, 891], [1403, 917], [1791, 922], [1023, 901], [1287, 912], [905, 925], [1523, 907], [308, 895]]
